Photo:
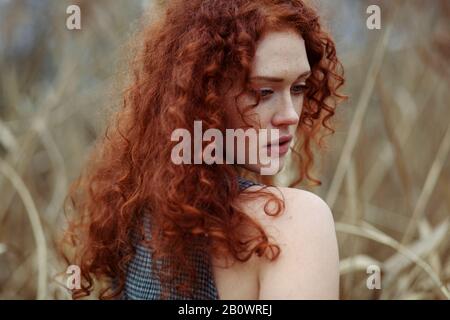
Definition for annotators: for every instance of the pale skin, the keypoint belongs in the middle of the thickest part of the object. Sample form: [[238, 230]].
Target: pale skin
[[308, 266]]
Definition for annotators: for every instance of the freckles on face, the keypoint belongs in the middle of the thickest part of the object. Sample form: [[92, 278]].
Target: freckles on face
[[278, 74]]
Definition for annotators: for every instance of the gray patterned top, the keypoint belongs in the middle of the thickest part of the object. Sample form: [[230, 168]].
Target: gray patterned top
[[141, 284]]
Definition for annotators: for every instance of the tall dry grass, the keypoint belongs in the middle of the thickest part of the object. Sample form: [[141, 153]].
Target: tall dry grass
[[385, 172]]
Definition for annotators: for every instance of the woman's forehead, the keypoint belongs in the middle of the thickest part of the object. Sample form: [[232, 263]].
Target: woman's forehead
[[280, 54]]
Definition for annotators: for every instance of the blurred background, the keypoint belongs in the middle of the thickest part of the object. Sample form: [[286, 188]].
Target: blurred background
[[385, 172]]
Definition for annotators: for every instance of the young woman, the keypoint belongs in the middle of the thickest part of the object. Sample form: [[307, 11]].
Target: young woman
[[149, 228]]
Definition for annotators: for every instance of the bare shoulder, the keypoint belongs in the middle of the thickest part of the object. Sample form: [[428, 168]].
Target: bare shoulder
[[305, 209], [302, 209], [308, 265]]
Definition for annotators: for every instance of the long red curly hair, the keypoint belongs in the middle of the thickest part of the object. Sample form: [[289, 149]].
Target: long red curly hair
[[185, 56]]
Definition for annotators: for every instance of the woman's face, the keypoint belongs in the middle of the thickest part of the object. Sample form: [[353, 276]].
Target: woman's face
[[279, 72]]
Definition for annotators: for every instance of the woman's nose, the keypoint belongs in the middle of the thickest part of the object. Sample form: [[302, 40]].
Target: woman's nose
[[288, 113]]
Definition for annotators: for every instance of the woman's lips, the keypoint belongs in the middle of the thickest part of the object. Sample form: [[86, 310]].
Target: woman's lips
[[282, 145]]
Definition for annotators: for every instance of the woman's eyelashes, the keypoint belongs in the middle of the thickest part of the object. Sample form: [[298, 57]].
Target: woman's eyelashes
[[299, 89], [264, 93]]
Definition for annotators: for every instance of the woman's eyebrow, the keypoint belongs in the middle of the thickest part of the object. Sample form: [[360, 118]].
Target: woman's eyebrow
[[275, 79]]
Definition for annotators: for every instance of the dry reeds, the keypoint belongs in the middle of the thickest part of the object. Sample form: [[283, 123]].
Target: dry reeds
[[386, 175]]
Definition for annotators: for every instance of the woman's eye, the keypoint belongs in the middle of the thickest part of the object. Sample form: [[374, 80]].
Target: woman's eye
[[298, 89], [265, 92]]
